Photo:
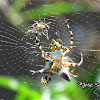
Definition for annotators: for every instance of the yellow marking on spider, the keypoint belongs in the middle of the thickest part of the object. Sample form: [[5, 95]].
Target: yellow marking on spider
[[52, 66]]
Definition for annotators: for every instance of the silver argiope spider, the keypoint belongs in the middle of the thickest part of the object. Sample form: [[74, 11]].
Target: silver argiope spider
[[61, 62], [41, 27]]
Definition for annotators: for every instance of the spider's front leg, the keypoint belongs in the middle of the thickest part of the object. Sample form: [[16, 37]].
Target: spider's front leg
[[50, 58], [71, 41], [46, 58]]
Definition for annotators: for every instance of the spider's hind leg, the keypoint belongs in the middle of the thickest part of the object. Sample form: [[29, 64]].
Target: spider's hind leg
[[47, 79], [43, 70], [37, 72]]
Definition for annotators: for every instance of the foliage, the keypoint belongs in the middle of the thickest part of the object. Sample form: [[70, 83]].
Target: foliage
[[45, 10], [23, 90], [59, 8], [57, 90]]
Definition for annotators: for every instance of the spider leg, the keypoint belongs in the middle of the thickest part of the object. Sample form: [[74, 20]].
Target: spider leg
[[39, 71], [74, 64], [35, 21], [41, 48], [43, 70], [46, 31], [71, 40], [47, 79], [67, 59], [46, 58], [75, 74], [48, 23], [64, 47]]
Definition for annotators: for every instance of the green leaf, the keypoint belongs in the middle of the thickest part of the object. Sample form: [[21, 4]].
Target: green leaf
[[18, 5], [56, 8], [68, 90], [23, 90]]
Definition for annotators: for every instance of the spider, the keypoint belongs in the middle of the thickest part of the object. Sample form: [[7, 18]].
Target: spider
[[60, 62], [41, 27]]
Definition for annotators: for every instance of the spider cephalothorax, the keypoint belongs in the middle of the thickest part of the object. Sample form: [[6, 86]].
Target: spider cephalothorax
[[60, 62], [54, 46]]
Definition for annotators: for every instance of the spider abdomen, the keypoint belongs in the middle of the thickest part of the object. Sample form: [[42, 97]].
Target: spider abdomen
[[57, 54], [64, 74]]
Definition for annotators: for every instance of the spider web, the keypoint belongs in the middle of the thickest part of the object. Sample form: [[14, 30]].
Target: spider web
[[19, 53]]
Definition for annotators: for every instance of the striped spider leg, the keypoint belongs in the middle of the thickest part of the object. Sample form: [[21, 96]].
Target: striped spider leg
[[43, 53]]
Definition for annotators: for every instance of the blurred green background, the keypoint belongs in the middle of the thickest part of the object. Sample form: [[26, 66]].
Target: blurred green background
[[17, 13]]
